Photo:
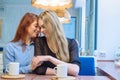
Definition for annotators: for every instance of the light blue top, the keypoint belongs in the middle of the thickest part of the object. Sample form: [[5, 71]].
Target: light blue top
[[13, 53]]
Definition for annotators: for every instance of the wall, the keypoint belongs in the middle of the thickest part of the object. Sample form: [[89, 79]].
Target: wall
[[108, 38], [11, 16], [1, 63]]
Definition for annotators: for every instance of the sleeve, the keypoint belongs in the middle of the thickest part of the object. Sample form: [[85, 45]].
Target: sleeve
[[41, 70], [8, 56], [25, 69], [37, 50], [74, 52]]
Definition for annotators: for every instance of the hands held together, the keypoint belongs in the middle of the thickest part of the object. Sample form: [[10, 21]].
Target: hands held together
[[73, 69], [38, 60]]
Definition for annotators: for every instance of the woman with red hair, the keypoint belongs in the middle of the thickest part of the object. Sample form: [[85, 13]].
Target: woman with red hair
[[21, 48]]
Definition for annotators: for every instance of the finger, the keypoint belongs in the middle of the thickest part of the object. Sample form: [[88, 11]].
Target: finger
[[35, 61]]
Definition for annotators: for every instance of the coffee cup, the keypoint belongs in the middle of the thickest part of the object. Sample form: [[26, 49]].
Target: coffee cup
[[13, 68], [61, 70]]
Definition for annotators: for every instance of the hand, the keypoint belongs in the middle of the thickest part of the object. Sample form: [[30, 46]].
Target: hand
[[43, 58], [38, 60], [35, 63]]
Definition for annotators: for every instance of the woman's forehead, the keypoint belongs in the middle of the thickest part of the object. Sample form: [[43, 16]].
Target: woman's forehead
[[40, 22]]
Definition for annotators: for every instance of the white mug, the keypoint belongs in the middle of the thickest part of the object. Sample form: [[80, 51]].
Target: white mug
[[13, 68], [61, 70]]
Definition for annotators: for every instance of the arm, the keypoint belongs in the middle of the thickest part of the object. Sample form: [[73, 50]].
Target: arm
[[25, 69], [74, 56], [73, 65], [36, 63], [11, 54], [73, 69], [8, 56], [37, 47]]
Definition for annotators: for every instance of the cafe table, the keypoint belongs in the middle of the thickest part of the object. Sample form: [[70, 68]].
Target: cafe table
[[49, 77], [109, 69]]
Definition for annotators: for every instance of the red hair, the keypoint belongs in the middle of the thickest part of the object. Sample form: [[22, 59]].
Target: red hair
[[25, 22]]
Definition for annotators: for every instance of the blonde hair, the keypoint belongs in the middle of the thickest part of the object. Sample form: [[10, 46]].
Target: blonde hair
[[56, 35]]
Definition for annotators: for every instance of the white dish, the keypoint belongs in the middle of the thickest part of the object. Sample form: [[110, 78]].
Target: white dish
[[117, 63]]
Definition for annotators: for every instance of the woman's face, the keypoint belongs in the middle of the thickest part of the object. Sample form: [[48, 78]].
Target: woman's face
[[42, 27], [33, 30]]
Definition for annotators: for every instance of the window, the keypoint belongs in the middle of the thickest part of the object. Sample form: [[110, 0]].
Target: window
[[70, 28]]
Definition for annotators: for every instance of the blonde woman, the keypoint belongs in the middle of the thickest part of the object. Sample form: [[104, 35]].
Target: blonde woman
[[54, 48]]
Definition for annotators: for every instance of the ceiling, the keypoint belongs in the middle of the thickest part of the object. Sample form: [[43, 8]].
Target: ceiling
[[76, 3]]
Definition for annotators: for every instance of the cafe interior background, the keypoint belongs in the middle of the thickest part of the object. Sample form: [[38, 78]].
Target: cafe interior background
[[93, 23]]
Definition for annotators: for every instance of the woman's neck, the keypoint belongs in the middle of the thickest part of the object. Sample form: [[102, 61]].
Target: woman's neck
[[28, 40]]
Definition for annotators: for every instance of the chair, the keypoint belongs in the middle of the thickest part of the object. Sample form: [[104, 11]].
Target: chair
[[1, 49], [87, 65]]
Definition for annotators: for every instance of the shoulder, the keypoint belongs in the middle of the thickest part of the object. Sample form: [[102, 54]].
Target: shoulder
[[12, 45], [72, 43], [8, 47], [41, 38], [70, 40], [9, 44]]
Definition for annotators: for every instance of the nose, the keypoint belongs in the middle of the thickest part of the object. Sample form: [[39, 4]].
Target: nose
[[38, 29], [42, 30]]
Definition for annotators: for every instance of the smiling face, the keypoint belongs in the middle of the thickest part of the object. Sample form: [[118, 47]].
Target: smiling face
[[42, 27], [33, 30]]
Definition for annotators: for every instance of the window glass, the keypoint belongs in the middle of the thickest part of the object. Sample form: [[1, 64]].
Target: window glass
[[70, 28]]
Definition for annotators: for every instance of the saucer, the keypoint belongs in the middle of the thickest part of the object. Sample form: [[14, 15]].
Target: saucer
[[117, 63], [11, 77], [66, 78]]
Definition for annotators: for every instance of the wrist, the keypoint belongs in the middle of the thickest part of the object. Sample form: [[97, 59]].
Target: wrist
[[49, 58], [31, 67]]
